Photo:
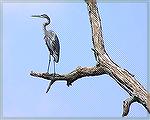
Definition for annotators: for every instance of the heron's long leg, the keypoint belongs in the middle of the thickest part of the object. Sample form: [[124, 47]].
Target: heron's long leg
[[54, 68], [49, 63]]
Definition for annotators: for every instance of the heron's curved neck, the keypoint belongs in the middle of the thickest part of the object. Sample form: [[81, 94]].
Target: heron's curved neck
[[47, 23]]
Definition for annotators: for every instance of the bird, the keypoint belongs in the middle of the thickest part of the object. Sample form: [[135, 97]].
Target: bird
[[52, 43]]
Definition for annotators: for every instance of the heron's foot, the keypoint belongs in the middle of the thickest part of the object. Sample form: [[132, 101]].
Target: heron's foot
[[47, 73]]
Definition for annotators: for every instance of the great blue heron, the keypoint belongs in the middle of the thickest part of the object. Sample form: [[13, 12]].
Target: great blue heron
[[52, 43]]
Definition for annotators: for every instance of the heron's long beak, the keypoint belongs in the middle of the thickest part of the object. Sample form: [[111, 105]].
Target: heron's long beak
[[37, 16]]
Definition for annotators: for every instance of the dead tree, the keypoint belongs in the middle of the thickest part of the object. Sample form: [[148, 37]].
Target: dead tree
[[137, 93]]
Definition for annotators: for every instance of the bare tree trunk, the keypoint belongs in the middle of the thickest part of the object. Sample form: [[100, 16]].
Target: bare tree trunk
[[104, 65]]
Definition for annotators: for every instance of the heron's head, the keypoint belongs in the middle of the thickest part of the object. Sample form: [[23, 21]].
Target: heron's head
[[41, 16]]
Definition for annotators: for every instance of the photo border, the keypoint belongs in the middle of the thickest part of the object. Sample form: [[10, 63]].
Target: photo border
[[69, 1]]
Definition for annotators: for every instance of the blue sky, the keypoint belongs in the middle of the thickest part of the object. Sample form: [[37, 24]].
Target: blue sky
[[125, 37]]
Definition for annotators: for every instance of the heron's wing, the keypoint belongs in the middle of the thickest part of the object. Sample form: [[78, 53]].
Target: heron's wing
[[48, 44], [56, 48], [53, 45]]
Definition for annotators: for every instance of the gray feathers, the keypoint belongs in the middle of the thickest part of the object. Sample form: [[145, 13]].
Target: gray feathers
[[53, 45]]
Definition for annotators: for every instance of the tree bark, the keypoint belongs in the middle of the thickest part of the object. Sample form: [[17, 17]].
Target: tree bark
[[104, 65]]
